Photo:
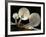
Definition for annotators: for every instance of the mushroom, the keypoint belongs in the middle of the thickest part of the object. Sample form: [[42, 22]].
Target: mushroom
[[15, 16], [34, 21]]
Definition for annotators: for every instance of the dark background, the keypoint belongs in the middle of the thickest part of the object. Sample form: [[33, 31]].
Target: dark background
[[32, 9]]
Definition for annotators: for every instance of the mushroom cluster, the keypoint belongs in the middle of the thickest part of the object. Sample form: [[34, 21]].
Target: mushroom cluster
[[24, 14]]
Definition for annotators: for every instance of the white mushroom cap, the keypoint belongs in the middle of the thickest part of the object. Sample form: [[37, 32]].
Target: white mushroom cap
[[24, 13], [15, 15]]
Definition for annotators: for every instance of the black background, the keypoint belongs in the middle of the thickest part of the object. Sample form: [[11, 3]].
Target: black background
[[32, 9]]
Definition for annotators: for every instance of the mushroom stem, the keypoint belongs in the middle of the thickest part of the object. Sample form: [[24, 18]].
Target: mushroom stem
[[19, 22], [15, 20]]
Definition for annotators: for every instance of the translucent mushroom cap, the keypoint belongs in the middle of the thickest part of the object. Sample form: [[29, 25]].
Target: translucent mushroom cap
[[34, 19], [24, 13]]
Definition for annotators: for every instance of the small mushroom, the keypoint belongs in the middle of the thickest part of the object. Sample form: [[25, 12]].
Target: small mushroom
[[15, 16]]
